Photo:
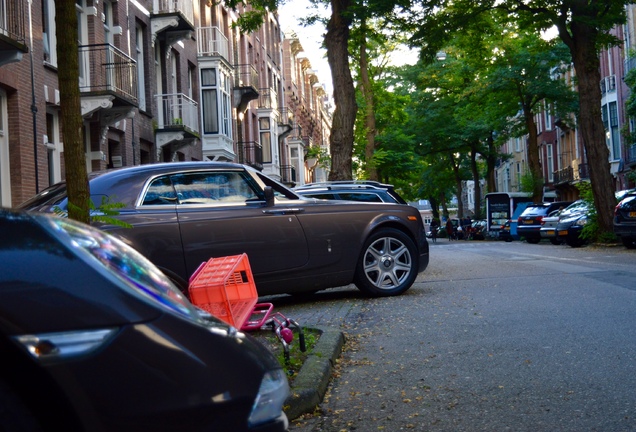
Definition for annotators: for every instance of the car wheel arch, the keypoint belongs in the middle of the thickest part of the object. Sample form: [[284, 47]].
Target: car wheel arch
[[49, 405]]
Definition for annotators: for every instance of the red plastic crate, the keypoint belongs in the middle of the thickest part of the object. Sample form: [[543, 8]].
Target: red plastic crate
[[225, 288]]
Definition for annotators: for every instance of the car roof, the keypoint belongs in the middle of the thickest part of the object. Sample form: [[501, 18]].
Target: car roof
[[345, 184]]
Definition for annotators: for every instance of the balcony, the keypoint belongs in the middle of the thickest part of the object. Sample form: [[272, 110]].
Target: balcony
[[245, 85], [285, 122], [108, 81], [267, 99], [288, 174], [608, 84], [13, 15], [565, 175], [177, 119], [251, 153], [171, 20], [211, 42]]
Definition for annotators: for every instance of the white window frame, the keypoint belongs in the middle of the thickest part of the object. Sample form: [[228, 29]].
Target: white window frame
[[5, 173]]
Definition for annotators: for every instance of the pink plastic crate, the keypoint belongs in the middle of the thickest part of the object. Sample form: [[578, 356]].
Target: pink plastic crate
[[225, 288]]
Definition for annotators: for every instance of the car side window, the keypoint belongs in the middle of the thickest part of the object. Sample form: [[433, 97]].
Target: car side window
[[160, 192], [358, 196], [212, 188]]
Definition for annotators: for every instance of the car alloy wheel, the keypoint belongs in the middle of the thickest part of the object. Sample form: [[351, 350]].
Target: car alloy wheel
[[388, 264]]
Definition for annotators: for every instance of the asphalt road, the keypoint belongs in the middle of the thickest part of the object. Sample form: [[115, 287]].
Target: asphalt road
[[494, 336]]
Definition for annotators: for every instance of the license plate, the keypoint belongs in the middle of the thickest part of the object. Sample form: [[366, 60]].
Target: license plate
[[632, 214], [563, 232], [550, 232], [528, 222]]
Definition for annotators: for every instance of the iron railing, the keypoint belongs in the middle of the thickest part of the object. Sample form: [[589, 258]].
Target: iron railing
[[177, 110], [183, 7], [212, 42], [251, 153], [13, 15], [105, 68], [267, 98], [288, 174], [246, 75]]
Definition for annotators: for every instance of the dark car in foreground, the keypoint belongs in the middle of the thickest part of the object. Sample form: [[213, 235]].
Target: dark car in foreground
[[95, 338], [625, 220], [529, 221], [184, 213], [355, 190]]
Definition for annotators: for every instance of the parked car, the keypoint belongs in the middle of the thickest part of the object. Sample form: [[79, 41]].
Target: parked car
[[185, 213], [569, 229], [529, 221], [625, 220], [548, 227], [364, 191], [94, 337]]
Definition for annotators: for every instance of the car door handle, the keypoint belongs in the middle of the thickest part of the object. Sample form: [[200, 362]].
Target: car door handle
[[284, 211]]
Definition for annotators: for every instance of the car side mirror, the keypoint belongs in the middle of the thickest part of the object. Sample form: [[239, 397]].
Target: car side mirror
[[269, 196]]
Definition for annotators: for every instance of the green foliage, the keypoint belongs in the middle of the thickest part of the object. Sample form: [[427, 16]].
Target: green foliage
[[529, 182], [297, 357], [591, 231], [106, 213]]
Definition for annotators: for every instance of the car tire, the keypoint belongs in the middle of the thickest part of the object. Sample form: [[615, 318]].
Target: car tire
[[388, 264], [14, 414], [629, 242], [555, 241], [575, 243]]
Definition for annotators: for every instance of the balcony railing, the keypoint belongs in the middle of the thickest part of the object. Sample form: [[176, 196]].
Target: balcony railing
[[246, 75], [251, 153], [565, 175], [286, 116], [105, 68], [608, 84], [267, 98], [166, 7], [13, 15], [177, 111], [212, 42], [288, 174]]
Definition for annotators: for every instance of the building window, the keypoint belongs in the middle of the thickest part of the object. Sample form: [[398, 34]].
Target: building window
[[5, 178], [550, 163], [547, 116], [48, 32], [141, 63], [209, 101], [215, 102], [53, 146], [615, 137]]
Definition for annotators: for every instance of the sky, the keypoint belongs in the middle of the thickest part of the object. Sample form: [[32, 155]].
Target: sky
[[311, 39]]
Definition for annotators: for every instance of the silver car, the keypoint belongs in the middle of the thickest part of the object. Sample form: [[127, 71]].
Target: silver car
[[184, 213]]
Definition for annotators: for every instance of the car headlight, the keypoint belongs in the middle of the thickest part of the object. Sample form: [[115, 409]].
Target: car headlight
[[581, 222], [271, 396]]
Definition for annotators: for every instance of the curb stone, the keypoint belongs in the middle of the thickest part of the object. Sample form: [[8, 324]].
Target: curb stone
[[310, 385]]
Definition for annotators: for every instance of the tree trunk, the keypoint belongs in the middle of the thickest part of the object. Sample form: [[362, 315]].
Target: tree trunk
[[70, 111], [476, 177], [344, 115], [582, 45], [369, 114], [491, 161], [458, 185], [534, 165]]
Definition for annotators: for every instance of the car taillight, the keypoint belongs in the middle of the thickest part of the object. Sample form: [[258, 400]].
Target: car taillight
[[519, 220], [540, 219]]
